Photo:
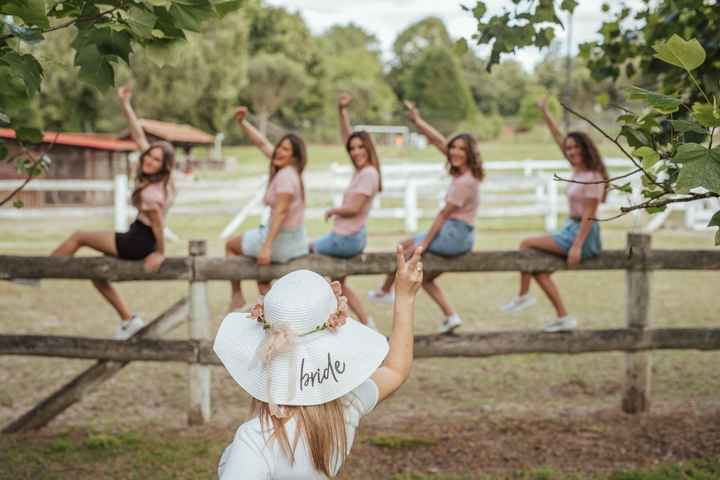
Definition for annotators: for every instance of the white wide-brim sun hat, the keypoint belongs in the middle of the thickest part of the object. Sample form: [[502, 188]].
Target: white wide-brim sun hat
[[319, 366]]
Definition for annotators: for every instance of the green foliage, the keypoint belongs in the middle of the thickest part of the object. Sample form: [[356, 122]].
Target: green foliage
[[530, 115], [524, 24], [435, 82]]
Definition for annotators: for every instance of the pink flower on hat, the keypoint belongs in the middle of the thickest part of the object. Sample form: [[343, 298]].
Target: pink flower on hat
[[257, 313], [338, 317]]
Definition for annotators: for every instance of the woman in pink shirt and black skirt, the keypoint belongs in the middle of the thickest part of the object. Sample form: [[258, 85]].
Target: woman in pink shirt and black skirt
[[349, 234], [579, 238], [452, 233], [144, 240]]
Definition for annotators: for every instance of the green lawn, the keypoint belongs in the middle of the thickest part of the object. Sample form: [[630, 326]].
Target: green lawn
[[526, 417]]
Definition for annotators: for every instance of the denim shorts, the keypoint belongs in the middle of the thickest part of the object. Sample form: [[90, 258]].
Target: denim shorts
[[288, 244], [341, 246], [454, 238], [566, 237]]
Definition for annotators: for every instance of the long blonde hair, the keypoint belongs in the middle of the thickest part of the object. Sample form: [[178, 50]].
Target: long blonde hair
[[323, 427]]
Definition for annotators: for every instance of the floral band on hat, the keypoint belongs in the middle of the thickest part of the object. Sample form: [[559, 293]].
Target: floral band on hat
[[280, 338], [336, 319]]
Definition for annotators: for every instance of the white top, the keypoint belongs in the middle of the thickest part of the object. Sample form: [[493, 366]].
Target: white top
[[251, 457]]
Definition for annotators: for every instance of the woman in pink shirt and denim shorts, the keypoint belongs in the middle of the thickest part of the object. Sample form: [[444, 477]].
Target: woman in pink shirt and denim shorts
[[452, 233], [284, 238], [349, 234], [579, 238]]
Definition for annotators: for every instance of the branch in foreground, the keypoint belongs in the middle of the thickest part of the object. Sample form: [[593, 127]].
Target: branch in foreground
[[34, 165], [596, 182], [616, 143], [655, 203], [70, 23]]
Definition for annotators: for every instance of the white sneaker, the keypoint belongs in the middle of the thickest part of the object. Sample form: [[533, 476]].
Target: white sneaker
[[563, 324], [519, 303], [378, 296], [28, 282], [371, 324], [128, 328], [451, 323]]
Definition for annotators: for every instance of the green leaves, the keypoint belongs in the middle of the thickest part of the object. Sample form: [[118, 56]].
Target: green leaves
[[688, 55], [648, 155], [707, 115], [32, 12], [661, 103], [28, 135], [699, 169], [141, 22], [25, 67], [715, 222], [190, 14]]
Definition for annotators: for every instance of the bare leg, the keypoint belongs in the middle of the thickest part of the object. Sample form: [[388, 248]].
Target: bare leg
[[103, 242], [408, 246], [437, 295], [233, 248], [354, 302], [113, 297], [547, 244], [548, 286]]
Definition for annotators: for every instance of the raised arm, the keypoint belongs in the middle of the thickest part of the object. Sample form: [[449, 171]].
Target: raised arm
[[434, 137], [255, 136], [136, 131], [552, 126], [395, 369], [344, 117]]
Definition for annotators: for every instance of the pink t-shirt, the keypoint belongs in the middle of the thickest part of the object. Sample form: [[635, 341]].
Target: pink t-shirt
[[366, 182], [287, 180], [151, 197], [463, 193], [577, 193]]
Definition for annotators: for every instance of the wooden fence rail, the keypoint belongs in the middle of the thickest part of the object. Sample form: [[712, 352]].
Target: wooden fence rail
[[638, 260], [426, 346], [220, 268]]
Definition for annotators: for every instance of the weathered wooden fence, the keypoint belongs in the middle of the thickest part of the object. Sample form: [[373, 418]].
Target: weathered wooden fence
[[638, 260]]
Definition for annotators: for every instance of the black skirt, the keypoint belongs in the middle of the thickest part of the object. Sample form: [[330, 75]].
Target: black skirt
[[137, 243]]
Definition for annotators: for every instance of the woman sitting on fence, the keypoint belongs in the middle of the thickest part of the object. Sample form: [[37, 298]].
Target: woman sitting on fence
[[452, 233], [579, 238], [152, 196], [349, 235], [313, 374], [284, 239]]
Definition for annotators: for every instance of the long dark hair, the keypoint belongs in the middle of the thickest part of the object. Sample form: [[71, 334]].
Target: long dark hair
[[474, 161], [369, 147], [299, 154], [143, 180], [591, 158]]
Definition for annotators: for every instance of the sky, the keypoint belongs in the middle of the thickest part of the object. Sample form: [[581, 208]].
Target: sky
[[386, 18]]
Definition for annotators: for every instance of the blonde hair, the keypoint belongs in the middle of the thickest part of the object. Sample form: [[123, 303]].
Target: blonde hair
[[323, 427]]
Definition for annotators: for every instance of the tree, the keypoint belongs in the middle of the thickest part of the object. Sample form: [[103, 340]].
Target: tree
[[436, 84], [672, 143], [274, 80], [415, 39], [107, 34]]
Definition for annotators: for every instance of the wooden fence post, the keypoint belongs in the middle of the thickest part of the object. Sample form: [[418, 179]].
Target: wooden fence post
[[199, 326], [636, 395]]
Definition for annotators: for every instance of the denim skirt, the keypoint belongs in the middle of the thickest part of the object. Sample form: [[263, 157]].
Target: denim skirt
[[454, 238]]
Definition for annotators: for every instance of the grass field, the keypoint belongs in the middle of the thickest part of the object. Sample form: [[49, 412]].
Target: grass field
[[526, 417], [135, 424]]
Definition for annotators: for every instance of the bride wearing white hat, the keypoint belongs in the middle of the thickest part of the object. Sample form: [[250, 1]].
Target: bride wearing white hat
[[312, 372]]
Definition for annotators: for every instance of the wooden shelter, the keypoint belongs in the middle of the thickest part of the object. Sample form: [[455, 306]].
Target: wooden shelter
[[87, 156], [183, 137]]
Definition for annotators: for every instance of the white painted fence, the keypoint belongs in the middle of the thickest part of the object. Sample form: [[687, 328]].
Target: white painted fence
[[415, 191]]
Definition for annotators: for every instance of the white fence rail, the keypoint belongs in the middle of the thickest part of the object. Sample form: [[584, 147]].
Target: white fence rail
[[411, 192]]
